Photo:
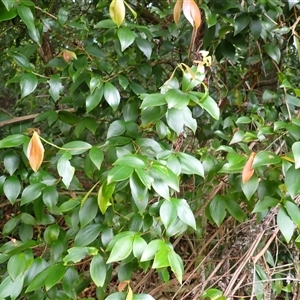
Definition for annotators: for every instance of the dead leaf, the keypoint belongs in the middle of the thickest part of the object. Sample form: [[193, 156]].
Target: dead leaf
[[248, 170], [122, 285], [68, 55], [177, 11], [192, 13], [35, 152]]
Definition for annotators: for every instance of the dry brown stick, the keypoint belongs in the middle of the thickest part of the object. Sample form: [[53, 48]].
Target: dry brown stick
[[29, 117]]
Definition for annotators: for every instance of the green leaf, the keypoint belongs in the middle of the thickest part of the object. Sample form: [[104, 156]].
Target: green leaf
[[210, 105], [12, 188], [55, 87], [28, 84], [234, 209], [176, 265], [87, 235], [176, 98], [51, 233], [57, 273], [250, 187], [10, 288], [145, 46], [190, 81], [50, 196], [241, 22], [293, 211], [139, 245], [265, 158], [22, 61], [161, 188], [296, 153], [144, 177], [88, 211], [139, 192], [93, 100], [178, 118], [16, 265], [151, 249], [11, 162], [126, 37], [133, 160], [159, 171], [27, 17], [217, 209], [152, 100], [76, 147], [98, 270], [263, 205], [255, 27], [13, 140], [68, 205], [121, 249], [285, 224], [62, 16], [10, 225], [116, 128], [104, 196], [273, 51], [184, 212], [8, 4], [161, 259], [292, 181], [64, 169], [119, 173], [76, 254], [190, 165], [111, 95], [31, 192], [96, 156], [168, 212]]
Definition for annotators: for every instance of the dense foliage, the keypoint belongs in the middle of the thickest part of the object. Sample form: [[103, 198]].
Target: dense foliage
[[149, 149]]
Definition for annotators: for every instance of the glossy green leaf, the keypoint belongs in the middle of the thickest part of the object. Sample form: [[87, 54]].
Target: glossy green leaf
[[153, 247], [152, 100], [292, 181], [10, 288], [138, 247], [210, 105], [10, 225], [161, 259], [265, 203], [217, 209], [22, 61], [144, 177], [285, 224], [190, 81], [250, 187], [132, 160], [98, 270], [296, 153], [184, 212], [264, 158], [96, 156], [56, 88], [16, 265], [88, 211], [293, 211], [161, 188], [50, 196], [94, 99], [122, 249], [176, 265], [273, 51], [64, 169], [176, 98], [159, 171], [119, 173], [76, 254], [51, 234], [111, 95], [139, 192], [126, 37], [87, 235], [116, 128], [28, 84], [234, 209], [104, 196], [76, 147], [11, 162], [168, 212], [12, 188], [190, 165], [31, 192], [13, 140], [178, 118], [145, 46], [241, 22]]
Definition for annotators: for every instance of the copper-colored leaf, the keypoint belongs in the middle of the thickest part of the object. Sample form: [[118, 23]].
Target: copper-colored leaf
[[122, 285], [248, 171], [68, 55], [192, 12], [177, 11], [117, 11], [35, 152]]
